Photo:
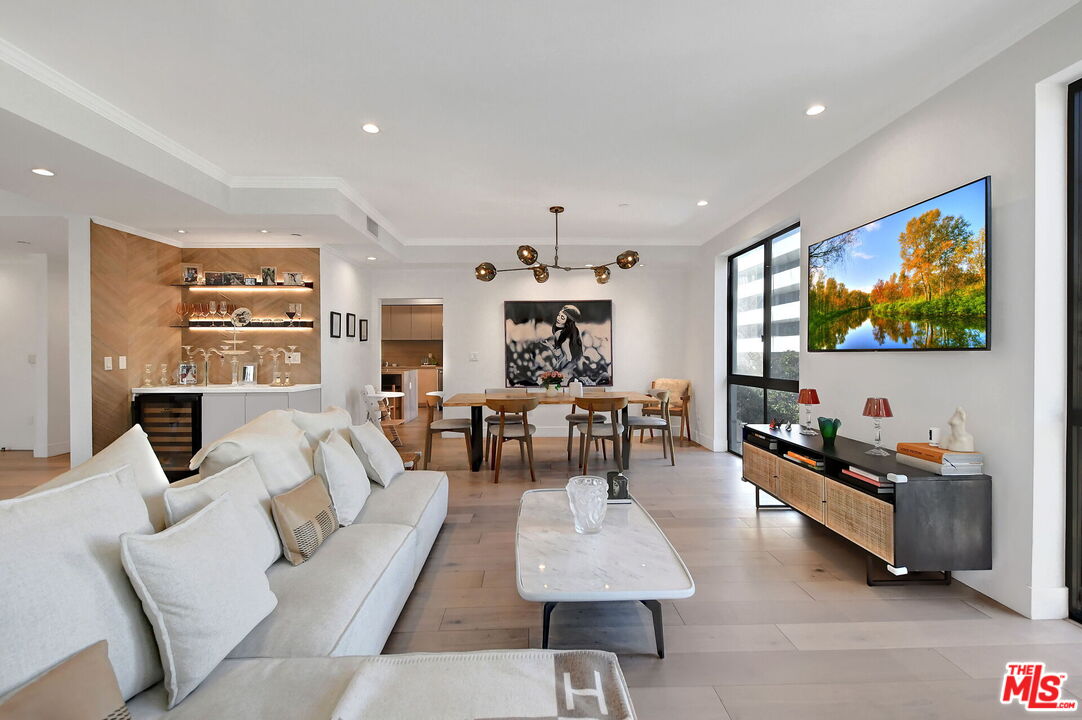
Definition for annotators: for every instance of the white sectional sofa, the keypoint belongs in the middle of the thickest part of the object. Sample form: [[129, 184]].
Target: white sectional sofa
[[343, 601]]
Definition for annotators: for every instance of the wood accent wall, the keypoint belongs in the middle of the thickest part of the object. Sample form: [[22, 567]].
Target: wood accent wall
[[262, 303], [131, 307]]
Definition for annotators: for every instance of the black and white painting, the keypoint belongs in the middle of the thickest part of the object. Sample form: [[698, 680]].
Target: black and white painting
[[573, 337]]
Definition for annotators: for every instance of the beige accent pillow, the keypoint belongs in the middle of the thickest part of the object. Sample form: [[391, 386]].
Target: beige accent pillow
[[317, 425], [381, 459], [203, 586], [83, 687], [305, 518]]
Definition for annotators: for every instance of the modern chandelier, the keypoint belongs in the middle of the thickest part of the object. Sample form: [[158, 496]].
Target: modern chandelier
[[626, 260]]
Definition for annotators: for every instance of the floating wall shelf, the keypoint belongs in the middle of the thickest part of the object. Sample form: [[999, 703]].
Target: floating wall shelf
[[232, 288], [253, 325]]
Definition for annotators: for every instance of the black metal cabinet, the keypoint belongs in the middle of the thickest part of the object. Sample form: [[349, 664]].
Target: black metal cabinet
[[172, 423]]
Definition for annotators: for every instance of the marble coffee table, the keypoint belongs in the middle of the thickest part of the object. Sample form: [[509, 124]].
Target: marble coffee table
[[630, 559]]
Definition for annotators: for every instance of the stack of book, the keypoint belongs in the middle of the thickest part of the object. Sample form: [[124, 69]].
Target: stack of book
[[939, 460], [863, 475], [804, 460]]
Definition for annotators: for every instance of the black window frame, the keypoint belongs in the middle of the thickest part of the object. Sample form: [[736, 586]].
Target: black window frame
[[1074, 351], [765, 382]]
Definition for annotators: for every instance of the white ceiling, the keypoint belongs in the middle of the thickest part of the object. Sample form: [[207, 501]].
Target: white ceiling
[[491, 110]]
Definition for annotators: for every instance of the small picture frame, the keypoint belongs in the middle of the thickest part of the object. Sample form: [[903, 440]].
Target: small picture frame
[[336, 324], [251, 280], [268, 275], [293, 278], [362, 330], [351, 325], [248, 374], [234, 278], [214, 277], [618, 488], [191, 273], [186, 373]]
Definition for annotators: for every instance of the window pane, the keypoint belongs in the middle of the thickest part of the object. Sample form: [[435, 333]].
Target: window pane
[[747, 323], [785, 306], [781, 405], [745, 406]]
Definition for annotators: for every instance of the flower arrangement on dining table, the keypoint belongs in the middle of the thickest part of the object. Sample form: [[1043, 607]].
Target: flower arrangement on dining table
[[551, 380]]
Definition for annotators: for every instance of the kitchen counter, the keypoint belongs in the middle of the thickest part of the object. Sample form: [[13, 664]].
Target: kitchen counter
[[223, 389], [411, 367]]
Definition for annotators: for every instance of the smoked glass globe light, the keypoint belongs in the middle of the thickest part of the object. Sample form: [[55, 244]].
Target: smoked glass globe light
[[602, 274], [627, 259], [527, 254], [485, 271], [540, 273]]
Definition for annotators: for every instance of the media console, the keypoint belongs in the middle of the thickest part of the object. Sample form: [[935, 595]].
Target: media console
[[915, 521]]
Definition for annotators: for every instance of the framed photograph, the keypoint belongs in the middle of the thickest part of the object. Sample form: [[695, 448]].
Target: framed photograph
[[571, 336], [247, 375], [269, 275], [362, 331], [186, 373], [294, 278], [336, 324], [212, 277], [234, 278], [351, 325], [191, 273]]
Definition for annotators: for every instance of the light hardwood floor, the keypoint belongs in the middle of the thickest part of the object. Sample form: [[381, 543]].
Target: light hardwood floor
[[782, 624]]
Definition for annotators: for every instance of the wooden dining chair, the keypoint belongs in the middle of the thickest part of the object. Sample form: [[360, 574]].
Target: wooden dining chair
[[679, 404], [502, 430], [574, 418], [662, 422], [511, 418], [435, 427], [610, 432]]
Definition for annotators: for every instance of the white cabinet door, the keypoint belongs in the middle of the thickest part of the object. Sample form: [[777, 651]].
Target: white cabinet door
[[221, 414], [255, 404], [307, 401]]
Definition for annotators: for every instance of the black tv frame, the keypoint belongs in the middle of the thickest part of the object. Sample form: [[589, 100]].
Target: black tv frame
[[987, 277]]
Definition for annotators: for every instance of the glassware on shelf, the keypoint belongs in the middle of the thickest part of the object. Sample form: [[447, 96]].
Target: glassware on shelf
[[164, 379], [291, 312], [148, 375], [288, 380], [259, 360], [212, 309], [297, 310], [588, 497]]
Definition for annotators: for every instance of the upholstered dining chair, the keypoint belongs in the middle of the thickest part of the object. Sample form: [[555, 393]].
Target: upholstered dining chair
[[435, 427], [662, 422], [379, 412], [502, 431], [679, 404], [608, 432]]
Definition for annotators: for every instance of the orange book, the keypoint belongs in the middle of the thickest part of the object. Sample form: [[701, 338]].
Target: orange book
[[937, 455], [801, 458]]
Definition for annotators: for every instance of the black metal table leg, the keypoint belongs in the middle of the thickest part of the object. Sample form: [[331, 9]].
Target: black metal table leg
[[545, 624], [477, 438], [625, 456], [659, 625]]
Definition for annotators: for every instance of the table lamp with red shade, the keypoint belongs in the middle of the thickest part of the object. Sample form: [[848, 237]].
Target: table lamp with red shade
[[877, 409], [807, 398]]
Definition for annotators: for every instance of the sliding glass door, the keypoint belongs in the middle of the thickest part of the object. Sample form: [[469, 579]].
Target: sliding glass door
[[1074, 348], [764, 332]]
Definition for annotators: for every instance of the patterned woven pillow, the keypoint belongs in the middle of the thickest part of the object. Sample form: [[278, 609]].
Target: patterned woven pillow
[[305, 518], [83, 687]]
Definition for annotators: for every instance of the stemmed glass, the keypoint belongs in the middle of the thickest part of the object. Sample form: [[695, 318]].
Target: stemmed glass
[[291, 312], [297, 311], [288, 380]]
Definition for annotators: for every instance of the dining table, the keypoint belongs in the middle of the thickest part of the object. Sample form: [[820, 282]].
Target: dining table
[[475, 401]]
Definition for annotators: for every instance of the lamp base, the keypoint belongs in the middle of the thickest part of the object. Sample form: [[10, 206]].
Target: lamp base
[[877, 451]]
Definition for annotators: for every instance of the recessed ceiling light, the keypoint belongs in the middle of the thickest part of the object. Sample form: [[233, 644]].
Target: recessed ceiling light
[[371, 258], [43, 171], [264, 231], [815, 109], [589, 264], [182, 232], [23, 242], [370, 128], [295, 234], [624, 205], [703, 203]]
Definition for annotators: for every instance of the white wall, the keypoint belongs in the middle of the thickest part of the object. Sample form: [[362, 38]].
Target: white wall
[[346, 363], [982, 125], [57, 427], [79, 356], [20, 280], [648, 309]]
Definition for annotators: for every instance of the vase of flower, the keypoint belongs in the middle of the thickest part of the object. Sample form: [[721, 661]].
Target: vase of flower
[[551, 381]]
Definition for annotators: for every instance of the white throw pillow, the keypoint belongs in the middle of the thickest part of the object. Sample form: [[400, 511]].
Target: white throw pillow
[[62, 586], [279, 448], [131, 449], [250, 497], [380, 458], [317, 425], [345, 475], [200, 601]]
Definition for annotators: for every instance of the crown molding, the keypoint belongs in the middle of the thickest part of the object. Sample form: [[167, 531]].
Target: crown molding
[[157, 237]]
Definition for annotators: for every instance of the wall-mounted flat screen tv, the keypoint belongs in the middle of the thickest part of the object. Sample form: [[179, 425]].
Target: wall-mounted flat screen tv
[[913, 280]]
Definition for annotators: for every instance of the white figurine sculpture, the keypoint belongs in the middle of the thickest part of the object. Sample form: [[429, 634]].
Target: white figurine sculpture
[[958, 439]]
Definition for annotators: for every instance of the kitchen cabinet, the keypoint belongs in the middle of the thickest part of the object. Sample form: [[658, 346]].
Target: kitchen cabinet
[[412, 322]]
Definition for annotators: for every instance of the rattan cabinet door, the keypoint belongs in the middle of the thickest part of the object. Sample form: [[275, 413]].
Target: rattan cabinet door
[[761, 468], [861, 518], [801, 489]]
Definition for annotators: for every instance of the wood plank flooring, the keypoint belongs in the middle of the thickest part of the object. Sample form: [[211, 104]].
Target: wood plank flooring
[[782, 624]]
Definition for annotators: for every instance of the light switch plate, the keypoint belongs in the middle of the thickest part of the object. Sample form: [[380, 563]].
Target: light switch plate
[[108, 362], [32, 359], [122, 362], [474, 357], [293, 358]]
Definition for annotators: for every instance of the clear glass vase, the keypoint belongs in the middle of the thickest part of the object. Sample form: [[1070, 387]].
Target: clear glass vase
[[588, 497]]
